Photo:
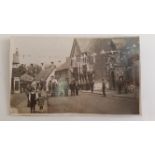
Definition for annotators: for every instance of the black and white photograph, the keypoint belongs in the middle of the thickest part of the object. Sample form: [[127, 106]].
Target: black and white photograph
[[77, 77], [74, 74]]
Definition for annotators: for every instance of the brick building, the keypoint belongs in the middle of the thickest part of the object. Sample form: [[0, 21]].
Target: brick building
[[88, 62], [97, 58]]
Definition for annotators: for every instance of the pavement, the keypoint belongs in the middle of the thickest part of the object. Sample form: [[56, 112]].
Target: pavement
[[19, 105], [86, 102], [93, 103], [110, 93]]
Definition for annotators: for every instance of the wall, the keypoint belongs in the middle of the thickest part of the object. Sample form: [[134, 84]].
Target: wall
[[147, 87]]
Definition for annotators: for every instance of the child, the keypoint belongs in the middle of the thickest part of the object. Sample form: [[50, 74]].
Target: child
[[42, 100]]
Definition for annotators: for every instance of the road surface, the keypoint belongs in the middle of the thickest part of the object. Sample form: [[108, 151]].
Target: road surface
[[84, 103], [93, 103]]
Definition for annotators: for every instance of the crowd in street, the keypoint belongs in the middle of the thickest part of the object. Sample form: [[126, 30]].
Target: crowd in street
[[37, 93], [125, 86], [63, 88]]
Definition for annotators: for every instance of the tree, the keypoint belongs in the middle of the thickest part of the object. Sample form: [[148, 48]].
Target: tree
[[33, 69], [22, 69]]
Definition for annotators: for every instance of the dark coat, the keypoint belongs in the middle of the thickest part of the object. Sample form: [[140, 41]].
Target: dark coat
[[103, 86], [32, 99]]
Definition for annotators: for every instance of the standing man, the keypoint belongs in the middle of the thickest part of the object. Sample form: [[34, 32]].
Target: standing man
[[103, 88], [77, 88], [54, 87], [71, 88], [66, 87], [74, 87], [92, 86], [28, 91], [120, 85], [33, 99], [50, 87]]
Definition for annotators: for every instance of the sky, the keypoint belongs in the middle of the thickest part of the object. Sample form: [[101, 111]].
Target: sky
[[42, 49]]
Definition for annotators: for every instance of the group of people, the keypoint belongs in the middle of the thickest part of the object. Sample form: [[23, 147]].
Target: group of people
[[74, 87], [53, 87], [35, 95], [62, 87], [124, 86]]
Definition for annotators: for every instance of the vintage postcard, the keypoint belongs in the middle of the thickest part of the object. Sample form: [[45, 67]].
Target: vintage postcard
[[75, 74]]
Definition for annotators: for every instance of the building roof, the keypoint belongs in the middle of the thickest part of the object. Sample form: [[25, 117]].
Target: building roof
[[26, 77], [75, 51], [16, 72], [84, 44], [91, 45], [44, 74], [97, 45], [64, 66], [126, 42]]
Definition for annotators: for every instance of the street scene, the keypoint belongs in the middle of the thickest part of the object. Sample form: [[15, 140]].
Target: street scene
[[74, 75]]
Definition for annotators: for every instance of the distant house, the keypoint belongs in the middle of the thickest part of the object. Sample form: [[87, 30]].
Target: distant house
[[24, 80], [26, 77], [63, 71], [45, 75]]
